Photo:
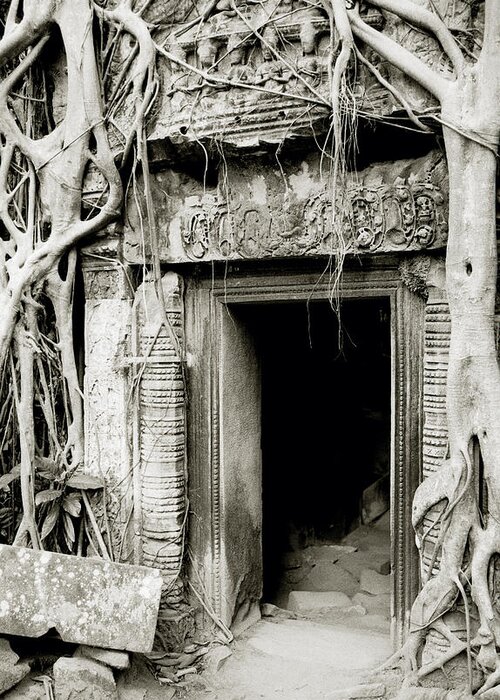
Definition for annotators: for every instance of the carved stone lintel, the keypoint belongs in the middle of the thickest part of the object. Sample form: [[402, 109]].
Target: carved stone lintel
[[383, 218], [254, 87]]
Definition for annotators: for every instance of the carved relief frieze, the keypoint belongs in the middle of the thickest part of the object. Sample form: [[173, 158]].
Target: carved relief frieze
[[251, 73], [398, 217]]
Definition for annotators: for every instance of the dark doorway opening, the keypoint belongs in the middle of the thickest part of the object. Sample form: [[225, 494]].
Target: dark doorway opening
[[326, 415]]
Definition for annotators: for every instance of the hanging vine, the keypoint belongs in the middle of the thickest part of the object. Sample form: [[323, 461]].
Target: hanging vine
[[67, 77]]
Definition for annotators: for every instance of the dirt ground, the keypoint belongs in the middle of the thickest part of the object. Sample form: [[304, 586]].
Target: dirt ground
[[333, 634]]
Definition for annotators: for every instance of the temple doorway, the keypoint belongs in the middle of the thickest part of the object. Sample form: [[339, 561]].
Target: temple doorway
[[303, 446], [325, 440]]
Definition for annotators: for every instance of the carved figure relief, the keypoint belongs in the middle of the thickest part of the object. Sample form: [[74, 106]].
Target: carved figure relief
[[261, 77]]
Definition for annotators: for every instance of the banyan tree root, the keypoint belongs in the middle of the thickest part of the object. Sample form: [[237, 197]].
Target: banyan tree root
[[43, 165], [469, 538], [41, 177]]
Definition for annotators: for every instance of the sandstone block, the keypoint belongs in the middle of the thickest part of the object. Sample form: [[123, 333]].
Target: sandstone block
[[327, 576], [357, 561], [89, 601], [11, 672], [27, 689], [375, 583], [83, 679], [374, 603], [270, 610], [116, 659], [329, 552], [310, 601], [359, 692], [216, 657]]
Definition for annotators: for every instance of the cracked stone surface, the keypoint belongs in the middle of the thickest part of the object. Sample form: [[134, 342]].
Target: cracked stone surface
[[116, 659], [83, 679], [11, 672], [89, 601]]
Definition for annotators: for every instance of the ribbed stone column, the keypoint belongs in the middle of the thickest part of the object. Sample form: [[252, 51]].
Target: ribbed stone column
[[159, 454]]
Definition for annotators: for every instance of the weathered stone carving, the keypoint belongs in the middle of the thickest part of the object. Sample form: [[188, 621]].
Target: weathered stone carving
[[88, 600], [404, 216], [435, 430], [107, 326], [260, 74], [160, 458]]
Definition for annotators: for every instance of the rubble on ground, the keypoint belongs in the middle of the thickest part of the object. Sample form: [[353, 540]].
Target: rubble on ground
[[11, 671]]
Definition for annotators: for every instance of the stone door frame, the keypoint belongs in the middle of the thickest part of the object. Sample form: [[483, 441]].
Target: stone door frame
[[208, 296]]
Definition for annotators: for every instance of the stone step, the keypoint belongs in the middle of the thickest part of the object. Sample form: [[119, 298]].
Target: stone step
[[311, 601]]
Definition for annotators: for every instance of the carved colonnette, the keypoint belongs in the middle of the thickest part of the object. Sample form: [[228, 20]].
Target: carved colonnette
[[435, 433], [159, 454]]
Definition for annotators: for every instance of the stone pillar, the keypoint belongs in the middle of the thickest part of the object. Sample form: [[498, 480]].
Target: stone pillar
[[160, 431], [108, 439], [435, 432], [435, 447]]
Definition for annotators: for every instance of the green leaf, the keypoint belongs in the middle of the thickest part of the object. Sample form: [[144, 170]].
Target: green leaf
[[69, 530], [6, 479], [47, 496], [46, 468], [50, 521], [6, 517], [85, 482], [72, 504]]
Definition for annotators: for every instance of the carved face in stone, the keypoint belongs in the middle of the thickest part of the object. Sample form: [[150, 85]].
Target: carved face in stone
[[425, 209], [401, 189], [270, 39], [308, 38], [207, 52]]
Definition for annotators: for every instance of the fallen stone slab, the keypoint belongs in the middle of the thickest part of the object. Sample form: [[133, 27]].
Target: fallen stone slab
[[83, 679], [27, 689], [375, 583], [329, 552], [322, 646], [270, 610], [88, 601], [357, 561], [110, 657], [216, 657], [11, 672], [327, 576], [309, 601], [359, 692], [374, 603]]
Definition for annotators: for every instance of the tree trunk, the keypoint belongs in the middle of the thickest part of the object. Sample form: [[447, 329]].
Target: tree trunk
[[473, 388]]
